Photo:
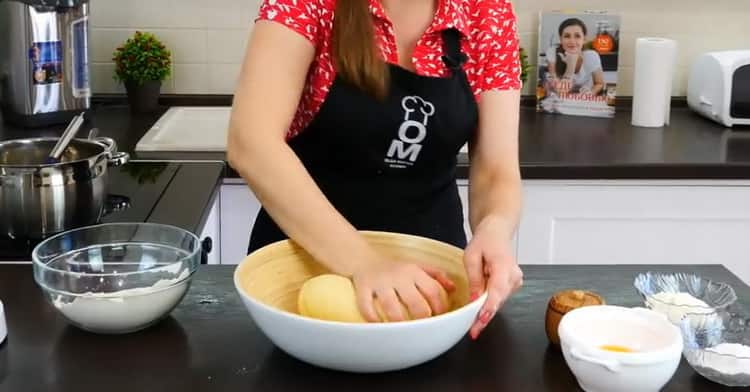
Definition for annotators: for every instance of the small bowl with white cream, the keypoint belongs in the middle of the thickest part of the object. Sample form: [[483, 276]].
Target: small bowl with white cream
[[720, 349], [117, 278], [684, 296]]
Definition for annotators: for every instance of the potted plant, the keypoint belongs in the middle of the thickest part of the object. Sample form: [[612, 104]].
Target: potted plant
[[142, 63]]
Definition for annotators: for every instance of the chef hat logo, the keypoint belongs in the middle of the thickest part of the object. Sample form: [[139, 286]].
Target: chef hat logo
[[412, 103]]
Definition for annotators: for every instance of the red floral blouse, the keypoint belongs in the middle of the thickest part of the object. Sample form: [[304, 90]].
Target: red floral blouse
[[489, 39]]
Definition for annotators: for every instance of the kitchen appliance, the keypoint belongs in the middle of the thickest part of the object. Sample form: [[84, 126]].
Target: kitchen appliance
[[719, 87], [38, 199], [44, 61]]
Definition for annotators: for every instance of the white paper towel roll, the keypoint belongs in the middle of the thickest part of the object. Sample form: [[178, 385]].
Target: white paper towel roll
[[652, 81]]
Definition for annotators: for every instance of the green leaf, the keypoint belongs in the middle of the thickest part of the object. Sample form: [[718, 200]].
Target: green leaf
[[142, 57]]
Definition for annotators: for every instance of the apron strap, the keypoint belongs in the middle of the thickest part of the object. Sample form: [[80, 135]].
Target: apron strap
[[453, 58]]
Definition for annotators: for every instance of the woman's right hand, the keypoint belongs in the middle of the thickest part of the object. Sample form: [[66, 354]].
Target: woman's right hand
[[392, 284]]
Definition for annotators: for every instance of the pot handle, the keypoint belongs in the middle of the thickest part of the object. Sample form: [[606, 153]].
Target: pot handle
[[116, 158], [611, 365]]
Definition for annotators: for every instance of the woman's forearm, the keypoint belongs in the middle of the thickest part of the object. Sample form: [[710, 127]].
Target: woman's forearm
[[597, 88], [271, 82], [598, 77], [494, 176], [495, 199], [299, 208]]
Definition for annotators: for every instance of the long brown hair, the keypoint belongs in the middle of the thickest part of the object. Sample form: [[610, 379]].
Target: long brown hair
[[355, 53], [560, 66]]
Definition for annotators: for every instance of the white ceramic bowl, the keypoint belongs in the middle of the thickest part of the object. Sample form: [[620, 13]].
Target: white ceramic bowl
[[268, 282], [656, 344]]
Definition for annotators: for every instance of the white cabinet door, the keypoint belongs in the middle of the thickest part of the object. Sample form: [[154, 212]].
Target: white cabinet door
[[212, 229], [239, 207], [623, 222], [463, 193]]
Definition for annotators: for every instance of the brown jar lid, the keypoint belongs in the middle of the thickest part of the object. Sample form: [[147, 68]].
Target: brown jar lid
[[567, 300]]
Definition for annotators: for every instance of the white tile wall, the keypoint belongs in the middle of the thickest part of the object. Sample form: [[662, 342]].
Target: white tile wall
[[208, 37]]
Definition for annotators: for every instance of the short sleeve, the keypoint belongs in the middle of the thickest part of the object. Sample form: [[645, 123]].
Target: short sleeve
[[498, 46], [302, 16], [591, 60]]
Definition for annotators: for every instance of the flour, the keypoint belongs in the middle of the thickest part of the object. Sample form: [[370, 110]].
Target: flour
[[124, 310], [677, 306], [728, 358]]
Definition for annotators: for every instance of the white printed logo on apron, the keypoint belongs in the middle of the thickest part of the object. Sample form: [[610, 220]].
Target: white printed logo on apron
[[405, 150]]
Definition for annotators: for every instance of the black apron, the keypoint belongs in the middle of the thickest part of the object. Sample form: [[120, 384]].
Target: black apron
[[391, 165]]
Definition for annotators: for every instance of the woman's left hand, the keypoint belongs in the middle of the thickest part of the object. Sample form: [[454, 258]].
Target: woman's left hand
[[490, 266]]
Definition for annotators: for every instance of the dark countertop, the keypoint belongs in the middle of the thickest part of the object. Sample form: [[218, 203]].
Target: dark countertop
[[187, 199], [551, 146], [210, 343]]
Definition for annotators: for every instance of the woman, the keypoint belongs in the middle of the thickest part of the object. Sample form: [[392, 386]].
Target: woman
[[354, 123], [573, 69]]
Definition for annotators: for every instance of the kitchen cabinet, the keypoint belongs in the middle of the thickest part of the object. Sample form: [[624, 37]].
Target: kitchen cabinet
[[239, 207], [212, 229], [587, 222], [636, 222], [463, 193]]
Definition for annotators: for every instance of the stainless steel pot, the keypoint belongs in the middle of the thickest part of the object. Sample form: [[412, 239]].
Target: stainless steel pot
[[38, 199]]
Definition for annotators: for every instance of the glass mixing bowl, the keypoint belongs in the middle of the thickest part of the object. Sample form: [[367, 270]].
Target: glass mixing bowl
[[117, 277], [720, 350], [659, 291]]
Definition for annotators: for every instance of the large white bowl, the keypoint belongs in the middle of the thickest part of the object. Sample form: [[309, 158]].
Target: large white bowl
[[657, 346], [268, 282]]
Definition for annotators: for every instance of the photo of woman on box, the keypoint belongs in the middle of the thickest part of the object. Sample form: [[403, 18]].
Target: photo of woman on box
[[571, 68]]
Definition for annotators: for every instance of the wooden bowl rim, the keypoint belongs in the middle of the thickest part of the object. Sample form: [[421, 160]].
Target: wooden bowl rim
[[356, 326]]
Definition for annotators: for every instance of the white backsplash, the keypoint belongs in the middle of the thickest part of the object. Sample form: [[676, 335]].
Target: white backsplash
[[208, 38]]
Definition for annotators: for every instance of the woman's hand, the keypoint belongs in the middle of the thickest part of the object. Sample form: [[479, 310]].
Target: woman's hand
[[392, 284], [490, 266], [563, 86], [571, 62]]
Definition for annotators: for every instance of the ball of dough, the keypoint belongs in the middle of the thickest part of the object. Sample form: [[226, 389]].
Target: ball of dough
[[329, 297], [333, 298]]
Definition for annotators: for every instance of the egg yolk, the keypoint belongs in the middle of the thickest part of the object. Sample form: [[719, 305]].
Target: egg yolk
[[615, 348]]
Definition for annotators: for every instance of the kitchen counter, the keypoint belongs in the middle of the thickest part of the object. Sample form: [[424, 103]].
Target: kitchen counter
[[551, 146], [210, 343]]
